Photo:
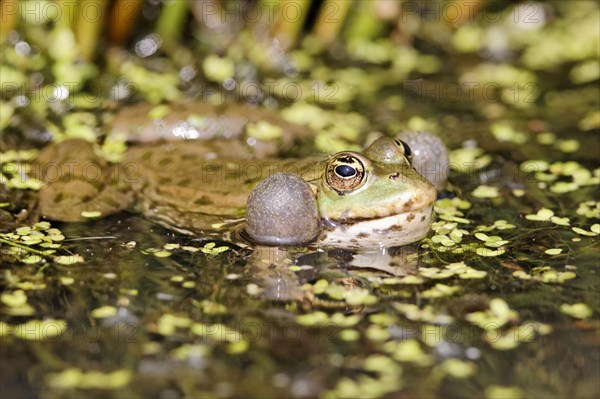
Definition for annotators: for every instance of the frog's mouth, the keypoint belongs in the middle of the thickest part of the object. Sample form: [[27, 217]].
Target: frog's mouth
[[387, 231]]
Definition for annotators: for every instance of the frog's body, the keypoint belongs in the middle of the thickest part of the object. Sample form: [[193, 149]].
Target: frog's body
[[183, 187], [370, 199]]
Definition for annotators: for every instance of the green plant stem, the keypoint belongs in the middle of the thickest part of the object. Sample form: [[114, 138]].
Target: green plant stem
[[89, 24], [25, 248], [330, 20], [171, 20]]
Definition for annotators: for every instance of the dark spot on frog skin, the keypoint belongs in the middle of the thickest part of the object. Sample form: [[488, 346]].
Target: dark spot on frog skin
[[410, 217], [164, 180], [185, 182], [147, 155], [110, 202], [362, 235], [165, 161], [203, 201], [423, 218], [396, 227], [65, 178], [408, 204], [343, 222], [59, 197]]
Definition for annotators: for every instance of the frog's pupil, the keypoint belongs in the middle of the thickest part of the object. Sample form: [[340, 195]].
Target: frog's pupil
[[345, 170]]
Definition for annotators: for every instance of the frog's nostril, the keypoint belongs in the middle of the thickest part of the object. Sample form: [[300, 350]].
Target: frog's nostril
[[394, 175]]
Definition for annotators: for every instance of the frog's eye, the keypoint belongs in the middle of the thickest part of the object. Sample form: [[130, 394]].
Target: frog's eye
[[345, 173], [405, 149]]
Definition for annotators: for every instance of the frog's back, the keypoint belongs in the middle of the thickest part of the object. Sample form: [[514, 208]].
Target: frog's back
[[185, 184]]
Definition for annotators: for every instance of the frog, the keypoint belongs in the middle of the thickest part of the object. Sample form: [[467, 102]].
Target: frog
[[350, 199]]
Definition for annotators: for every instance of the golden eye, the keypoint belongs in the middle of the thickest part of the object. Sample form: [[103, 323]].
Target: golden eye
[[405, 149], [345, 173]]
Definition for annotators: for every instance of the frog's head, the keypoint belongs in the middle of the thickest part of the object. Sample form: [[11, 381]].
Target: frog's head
[[375, 198]]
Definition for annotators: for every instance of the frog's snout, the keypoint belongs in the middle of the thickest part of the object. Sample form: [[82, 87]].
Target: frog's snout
[[282, 210]]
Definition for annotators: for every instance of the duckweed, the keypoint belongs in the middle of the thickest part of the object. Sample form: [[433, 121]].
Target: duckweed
[[546, 275], [466, 159], [589, 209], [486, 192], [440, 290], [218, 69], [75, 378], [503, 392], [169, 323], [497, 315], [66, 280], [459, 369], [40, 330], [103, 312], [263, 130], [408, 351], [594, 230], [349, 335], [427, 313], [576, 310], [188, 284], [504, 132]]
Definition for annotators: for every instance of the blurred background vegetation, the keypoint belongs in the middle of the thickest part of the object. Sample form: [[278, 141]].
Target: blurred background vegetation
[[64, 56]]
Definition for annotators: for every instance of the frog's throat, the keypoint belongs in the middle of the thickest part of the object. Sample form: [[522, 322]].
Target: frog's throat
[[389, 231]]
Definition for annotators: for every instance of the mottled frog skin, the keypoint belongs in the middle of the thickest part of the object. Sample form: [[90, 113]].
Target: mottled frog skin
[[194, 186]]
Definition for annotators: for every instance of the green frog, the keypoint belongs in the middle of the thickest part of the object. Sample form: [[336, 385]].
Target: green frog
[[353, 200]]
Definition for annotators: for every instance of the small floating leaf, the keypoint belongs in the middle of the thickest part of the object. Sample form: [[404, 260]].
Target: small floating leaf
[[458, 368], [349, 335], [542, 215], [576, 310], [583, 232], [502, 392], [91, 214], [238, 347], [103, 312], [567, 146], [489, 252], [159, 112], [560, 221], [32, 259], [68, 259], [263, 130], [440, 290], [486, 192], [66, 280], [23, 230], [14, 299], [38, 330]]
